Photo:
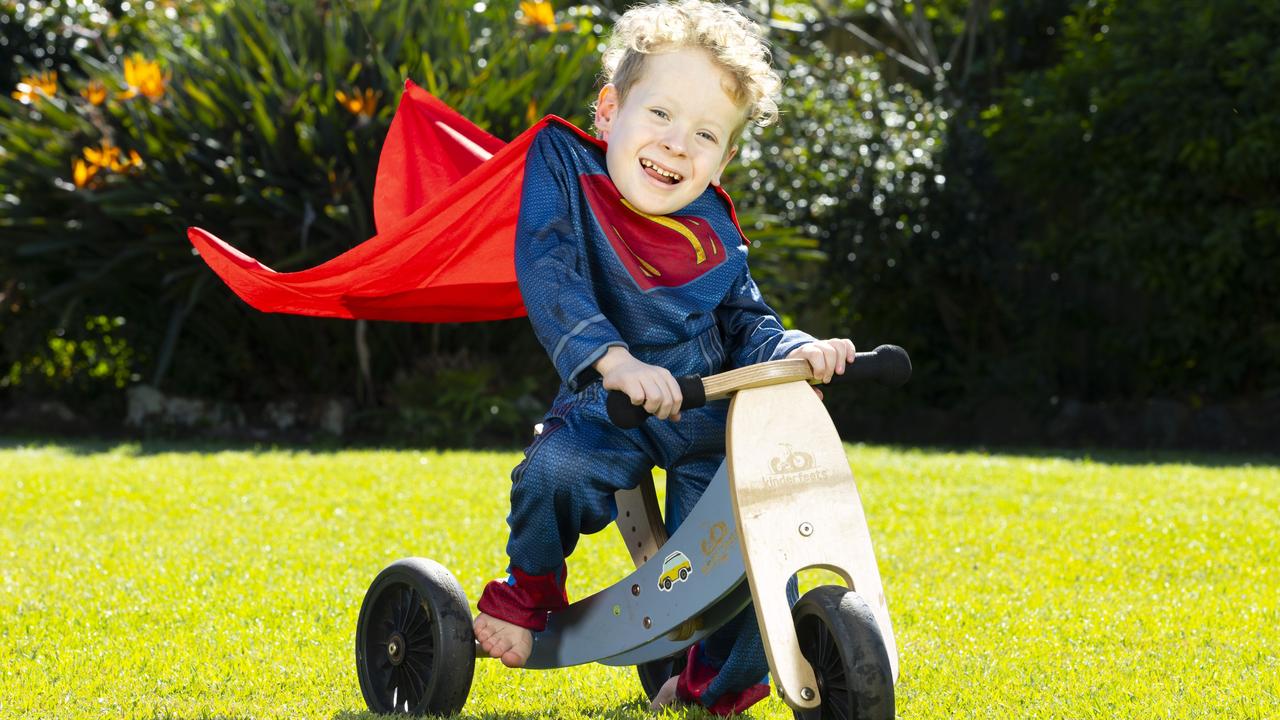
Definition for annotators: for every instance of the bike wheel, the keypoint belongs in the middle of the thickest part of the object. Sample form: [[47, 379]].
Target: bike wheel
[[839, 637], [415, 651], [655, 673]]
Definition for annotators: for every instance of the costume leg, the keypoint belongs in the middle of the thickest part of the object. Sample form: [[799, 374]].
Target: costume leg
[[727, 672], [563, 488]]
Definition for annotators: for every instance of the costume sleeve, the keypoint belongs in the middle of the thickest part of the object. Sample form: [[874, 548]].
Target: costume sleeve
[[551, 266], [752, 331]]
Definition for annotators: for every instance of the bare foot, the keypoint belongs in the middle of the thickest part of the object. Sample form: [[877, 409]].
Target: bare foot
[[500, 639], [666, 694]]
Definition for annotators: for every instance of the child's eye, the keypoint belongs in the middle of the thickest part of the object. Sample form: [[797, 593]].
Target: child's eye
[[708, 136], [660, 113]]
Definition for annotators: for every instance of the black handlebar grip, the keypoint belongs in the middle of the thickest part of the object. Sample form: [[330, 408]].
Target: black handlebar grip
[[628, 416], [888, 364]]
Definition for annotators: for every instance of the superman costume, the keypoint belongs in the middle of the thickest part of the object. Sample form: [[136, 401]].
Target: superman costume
[[592, 272], [674, 290]]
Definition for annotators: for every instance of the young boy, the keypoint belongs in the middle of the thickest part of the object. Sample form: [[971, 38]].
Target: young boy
[[633, 271]]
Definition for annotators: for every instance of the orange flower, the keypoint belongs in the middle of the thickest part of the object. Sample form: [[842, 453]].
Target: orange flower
[[363, 103], [537, 14], [47, 83], [109, 156], [143, 77], [24, 94], [95, 92], [82, 173], [541, 15], [103, 157], [133, 160], [33, 87]]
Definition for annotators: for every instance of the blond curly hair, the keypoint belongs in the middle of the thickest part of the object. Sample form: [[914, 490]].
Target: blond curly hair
[[734, 42]]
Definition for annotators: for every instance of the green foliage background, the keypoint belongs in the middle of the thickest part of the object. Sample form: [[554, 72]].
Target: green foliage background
[[1148, 162], [1078, 203]]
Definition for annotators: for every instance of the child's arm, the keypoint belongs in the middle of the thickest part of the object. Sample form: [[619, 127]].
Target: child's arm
[[751, 330], [754, 334], [649, 385], [551, 266]]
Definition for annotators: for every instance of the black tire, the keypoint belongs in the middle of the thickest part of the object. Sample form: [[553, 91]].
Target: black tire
[[684, 573], [666, 584], [415, 651], [655, 674], [840, 638]]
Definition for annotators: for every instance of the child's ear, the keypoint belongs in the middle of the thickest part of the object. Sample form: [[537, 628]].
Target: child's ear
[[715, 180], [606, 108]]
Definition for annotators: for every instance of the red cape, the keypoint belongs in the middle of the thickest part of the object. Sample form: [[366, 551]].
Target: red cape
[[446, 202]]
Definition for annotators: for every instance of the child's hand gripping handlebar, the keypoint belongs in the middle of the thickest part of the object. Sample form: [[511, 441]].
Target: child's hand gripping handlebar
[[888, 363]]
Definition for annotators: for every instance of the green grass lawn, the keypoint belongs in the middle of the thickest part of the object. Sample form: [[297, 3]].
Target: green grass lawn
[[149, 581]]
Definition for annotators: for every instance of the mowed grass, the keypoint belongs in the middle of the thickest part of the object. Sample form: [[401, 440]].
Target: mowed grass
[[163, 581]]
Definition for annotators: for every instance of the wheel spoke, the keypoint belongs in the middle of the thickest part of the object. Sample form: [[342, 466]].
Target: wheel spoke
[[408, 686], [835, 663], [823, 640], [417, 672], [417, 680], [424, 614], [406, 607], [413, 610], [421, 638], [836, 685], [412, 623], [390, 679], [420, 621], [422, 655]]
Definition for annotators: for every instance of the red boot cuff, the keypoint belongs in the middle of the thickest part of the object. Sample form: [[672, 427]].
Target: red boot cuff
[[693, 683], [525, 600]]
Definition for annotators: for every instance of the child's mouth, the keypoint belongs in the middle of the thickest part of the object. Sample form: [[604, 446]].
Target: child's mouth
[[660, 174]]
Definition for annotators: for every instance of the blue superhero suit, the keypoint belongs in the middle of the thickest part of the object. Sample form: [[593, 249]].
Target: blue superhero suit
[[674, 290]]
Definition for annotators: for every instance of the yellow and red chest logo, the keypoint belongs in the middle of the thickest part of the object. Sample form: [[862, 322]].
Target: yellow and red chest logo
[[658, 250]]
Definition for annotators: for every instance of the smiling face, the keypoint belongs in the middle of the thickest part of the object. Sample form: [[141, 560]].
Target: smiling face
[[670, 138]]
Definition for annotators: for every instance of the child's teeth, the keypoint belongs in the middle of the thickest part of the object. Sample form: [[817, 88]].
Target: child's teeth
[[649, 164]]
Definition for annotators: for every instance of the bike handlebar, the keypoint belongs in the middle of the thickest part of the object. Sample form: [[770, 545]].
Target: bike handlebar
[[888, 364]]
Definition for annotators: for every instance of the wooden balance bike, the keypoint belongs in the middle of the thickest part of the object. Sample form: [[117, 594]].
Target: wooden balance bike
[[783, 501]]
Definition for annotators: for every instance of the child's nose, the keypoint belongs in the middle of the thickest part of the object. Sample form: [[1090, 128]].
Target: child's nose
[[674, 142]]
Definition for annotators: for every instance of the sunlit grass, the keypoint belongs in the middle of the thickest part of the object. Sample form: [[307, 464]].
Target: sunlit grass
[[138, 581]]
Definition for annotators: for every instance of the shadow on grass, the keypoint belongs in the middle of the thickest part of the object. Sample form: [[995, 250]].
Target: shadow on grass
[[202, 716], [1103, 456], [634, 710], [1111, 456], [144, 448]]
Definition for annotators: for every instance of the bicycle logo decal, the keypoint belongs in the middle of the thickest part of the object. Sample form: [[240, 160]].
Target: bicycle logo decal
[[791, 461], [793, 466]]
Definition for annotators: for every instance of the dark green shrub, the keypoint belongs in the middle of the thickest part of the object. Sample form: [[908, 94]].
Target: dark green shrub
[[246, 135], [57, 35], [1147, 166]]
